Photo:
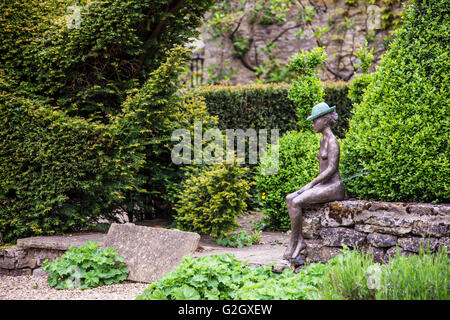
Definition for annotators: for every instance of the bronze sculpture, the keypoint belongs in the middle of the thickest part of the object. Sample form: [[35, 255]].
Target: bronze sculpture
[[327, 186]]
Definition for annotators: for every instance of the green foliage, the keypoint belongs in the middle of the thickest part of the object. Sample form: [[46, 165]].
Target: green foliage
[[297, 165], [222, 277], [86, 267], [362, 81], [88, 70], [268, 12], [354, 276], [419, 277], [307, 90], [264, 106], [399, 132], [211, 199], [58, 173], [150, 115], [239, 239], [346, 277]]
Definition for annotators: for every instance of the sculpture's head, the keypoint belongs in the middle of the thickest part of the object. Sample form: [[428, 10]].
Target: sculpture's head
[[323, 116]]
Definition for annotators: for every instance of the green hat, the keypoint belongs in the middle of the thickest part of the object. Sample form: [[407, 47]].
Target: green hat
[[319, 110]]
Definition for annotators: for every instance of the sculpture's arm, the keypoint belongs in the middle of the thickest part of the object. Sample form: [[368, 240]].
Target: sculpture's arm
[[333, 165]]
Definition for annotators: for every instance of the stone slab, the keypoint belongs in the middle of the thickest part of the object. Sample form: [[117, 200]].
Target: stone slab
[[61, 242], [150, 252]]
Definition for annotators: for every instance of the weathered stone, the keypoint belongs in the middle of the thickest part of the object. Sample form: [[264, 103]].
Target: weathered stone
[[60, 242], [280, 266], [7, 263], [335, 218], [369, 228], [381, 240], [317, 252], [413, 243], [28, 262], [427, 227], [392, 253], [311, 225], [150, 252], [427, 209], [40, 273], [377, 253], [336, 237], [21, 272]]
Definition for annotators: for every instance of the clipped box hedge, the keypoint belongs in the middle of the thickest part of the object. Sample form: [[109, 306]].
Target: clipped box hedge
[[266, 106]]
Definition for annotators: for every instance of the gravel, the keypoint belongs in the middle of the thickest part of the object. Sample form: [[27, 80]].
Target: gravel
[[36, 288]]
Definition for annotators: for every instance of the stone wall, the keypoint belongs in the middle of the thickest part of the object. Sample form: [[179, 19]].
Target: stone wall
[[377, 227], [19, 261], [348, 26]]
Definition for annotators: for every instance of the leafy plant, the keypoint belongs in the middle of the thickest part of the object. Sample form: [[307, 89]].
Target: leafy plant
[[222, 277], [211, 199], [307, 90], [239, 239], [86, 267]]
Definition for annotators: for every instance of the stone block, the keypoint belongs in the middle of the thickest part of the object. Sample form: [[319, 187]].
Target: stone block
[[413, 243], [335, 218], [150, 252], [369, 228], [430, 227], [336, 237], [317, 252], [381, 240], [7, 263]]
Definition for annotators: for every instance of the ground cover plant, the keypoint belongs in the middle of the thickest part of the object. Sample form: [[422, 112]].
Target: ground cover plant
[[86, 267], [351, 275]]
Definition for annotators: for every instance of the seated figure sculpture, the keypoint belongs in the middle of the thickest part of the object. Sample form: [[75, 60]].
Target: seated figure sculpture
[[327, 186]]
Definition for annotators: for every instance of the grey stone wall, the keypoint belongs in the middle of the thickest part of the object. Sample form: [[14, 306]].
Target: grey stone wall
[[377, 227], [348, 27], [18, 261]]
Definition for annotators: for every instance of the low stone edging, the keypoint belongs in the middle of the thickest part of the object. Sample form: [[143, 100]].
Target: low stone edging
[[374, 226]]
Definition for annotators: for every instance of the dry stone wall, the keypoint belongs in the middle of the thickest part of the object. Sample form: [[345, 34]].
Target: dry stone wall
[[338, 25], [377, 227]]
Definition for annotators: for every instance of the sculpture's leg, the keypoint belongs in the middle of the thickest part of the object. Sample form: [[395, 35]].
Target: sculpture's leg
[[295, 215]]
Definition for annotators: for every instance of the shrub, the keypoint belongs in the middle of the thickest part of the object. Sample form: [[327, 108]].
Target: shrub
[[298, 165], [267, 106], [88, 70], [397, 145], [86, 267], [211, 200], [222, 277], [58, 173], [362, 81], [307, 90], [149, 117]]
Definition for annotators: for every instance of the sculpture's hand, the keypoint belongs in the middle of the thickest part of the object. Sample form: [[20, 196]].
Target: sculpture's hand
[[306, 187]]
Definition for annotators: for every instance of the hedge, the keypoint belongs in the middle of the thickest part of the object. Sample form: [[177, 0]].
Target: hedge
[[397, 145], [266, 106]]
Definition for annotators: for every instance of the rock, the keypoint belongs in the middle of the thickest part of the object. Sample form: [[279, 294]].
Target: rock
[[316, 252], [381, 240], [311, 225], [280, 266], [413, 243], [427, 209], [336, 218], [369, 228], [150, 252], [392, 253], [40, 273], [377, 253], [428, 227], [336, 237]]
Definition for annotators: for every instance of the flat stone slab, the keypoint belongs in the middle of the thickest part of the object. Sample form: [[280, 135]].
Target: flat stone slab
[[150, 252], [61, 242]]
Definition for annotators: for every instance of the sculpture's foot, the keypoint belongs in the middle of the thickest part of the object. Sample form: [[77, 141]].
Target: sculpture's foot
[[288, 253], [301, 245], [298, 261]]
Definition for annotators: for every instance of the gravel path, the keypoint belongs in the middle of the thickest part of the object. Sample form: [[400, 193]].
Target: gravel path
[[36, 288]]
